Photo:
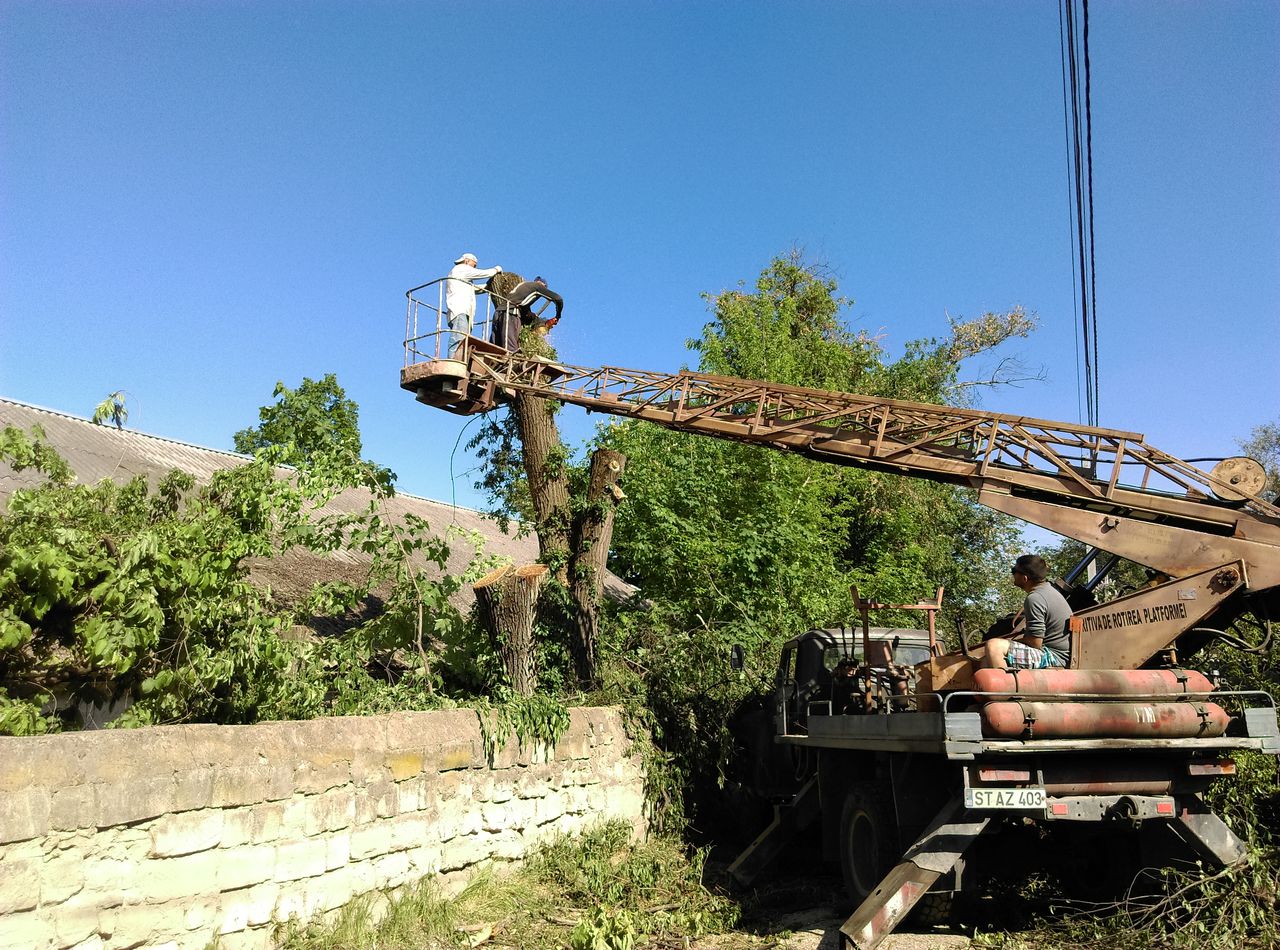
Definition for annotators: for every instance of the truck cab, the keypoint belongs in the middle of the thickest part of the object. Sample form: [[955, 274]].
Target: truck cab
[[810, 666]]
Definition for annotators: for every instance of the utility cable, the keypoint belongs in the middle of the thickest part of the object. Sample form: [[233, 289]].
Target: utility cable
[[1071, 233], [1078, 130], [1093, 272]]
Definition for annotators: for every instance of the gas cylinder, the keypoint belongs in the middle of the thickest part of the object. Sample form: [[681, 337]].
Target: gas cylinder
[[1021, 719], [1056, 682]]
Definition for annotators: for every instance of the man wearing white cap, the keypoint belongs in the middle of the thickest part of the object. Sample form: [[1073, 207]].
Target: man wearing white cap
[[460, 297]]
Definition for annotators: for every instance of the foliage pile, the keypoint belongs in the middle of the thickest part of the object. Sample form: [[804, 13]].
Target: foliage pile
[[599, 891], [139, 597]]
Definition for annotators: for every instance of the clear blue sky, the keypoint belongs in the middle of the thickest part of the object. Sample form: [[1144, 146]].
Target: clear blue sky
[[200, 198]]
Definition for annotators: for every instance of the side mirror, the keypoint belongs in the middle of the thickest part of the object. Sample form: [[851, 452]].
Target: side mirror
[[737, 657]]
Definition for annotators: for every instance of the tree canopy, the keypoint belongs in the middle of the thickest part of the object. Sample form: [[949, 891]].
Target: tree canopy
[[719, 532]]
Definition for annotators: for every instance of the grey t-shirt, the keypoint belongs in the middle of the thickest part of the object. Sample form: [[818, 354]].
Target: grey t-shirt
[[1047, 614]]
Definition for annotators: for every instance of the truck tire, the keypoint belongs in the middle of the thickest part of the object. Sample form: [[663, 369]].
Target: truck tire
[[868, 839], [933, 909]]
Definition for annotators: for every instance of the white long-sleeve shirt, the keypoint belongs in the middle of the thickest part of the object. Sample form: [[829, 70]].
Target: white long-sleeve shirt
[[460, 295]]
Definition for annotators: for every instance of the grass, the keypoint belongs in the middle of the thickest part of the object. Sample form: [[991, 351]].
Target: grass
[[595, 892]]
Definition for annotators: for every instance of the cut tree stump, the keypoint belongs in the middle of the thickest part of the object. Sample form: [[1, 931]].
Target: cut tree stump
[[507, 601]]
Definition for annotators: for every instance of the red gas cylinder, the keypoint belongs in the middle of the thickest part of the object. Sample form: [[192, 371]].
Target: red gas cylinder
[[1019, 719], [1056, 682]]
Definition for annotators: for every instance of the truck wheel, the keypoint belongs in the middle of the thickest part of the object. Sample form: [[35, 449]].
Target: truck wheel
[[868, 839], [934, 908]]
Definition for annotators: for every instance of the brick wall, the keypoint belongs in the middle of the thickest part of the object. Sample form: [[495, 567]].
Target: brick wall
[[172, 836]]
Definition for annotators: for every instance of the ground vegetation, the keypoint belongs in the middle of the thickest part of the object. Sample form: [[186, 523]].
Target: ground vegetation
[[598, 891]]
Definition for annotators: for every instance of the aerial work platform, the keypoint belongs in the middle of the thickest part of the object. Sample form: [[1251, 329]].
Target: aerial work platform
[[449, 370]]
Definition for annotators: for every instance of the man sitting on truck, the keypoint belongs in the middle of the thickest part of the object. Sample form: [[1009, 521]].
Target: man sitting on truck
[[1046, 639]]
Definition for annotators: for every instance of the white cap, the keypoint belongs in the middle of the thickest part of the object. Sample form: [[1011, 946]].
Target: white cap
[[467, 257]]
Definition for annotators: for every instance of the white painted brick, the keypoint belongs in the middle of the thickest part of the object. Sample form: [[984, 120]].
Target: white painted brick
[[377, 800], [391, 870], [61, 877], [187, 833], [293, 818], [410, 831], [249, 907], [328, 812], [299, 859], [465, 852], [19, 884], [337, 851], [371, 840], [424, 861], [550, 807], [410, 796], [200, 913], [75, 920], [528, 787], [113, 881], [509, 845], [326, 841], [496, 817], [331, 890], [30, 931], [245, 866], [166, 879]]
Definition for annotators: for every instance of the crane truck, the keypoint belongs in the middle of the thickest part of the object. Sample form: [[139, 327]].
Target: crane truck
[[903, 754]]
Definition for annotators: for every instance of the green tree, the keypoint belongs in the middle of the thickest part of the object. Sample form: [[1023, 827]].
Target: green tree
[[314, 427], [1263, 444], [735, 543], [721, 532]]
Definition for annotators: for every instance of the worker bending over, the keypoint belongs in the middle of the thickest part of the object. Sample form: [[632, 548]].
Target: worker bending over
[[515, 308]]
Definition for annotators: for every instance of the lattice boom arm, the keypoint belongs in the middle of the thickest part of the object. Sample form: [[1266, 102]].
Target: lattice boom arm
[[1105, 487], [958, 443]]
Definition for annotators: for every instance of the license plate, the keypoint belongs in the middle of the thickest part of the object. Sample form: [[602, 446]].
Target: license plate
[[1018, 799]]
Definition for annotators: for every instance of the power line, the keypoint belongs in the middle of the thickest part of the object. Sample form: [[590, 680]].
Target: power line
[[1071, 231], [1078, 127]]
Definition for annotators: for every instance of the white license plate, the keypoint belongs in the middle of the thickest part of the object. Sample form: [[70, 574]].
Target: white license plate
[[1019, 799]]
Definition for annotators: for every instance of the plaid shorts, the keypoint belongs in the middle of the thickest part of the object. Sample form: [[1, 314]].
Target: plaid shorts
[[1023, 657]]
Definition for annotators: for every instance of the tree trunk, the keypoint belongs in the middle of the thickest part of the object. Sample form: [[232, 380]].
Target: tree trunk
[[545, 467], [507, 599], [589, 547]]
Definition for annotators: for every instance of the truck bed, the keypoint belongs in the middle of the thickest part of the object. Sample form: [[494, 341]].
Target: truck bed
[[958, 735]]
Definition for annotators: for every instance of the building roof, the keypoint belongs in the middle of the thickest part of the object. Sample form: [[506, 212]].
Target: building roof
[[95, 452]]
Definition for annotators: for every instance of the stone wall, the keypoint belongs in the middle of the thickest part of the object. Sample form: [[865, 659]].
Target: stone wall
[[172, 836]]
